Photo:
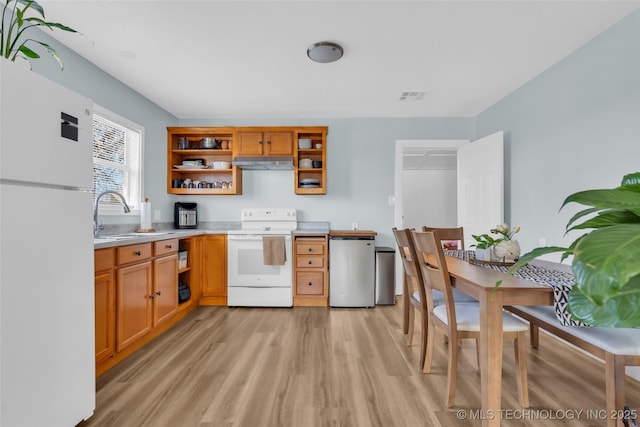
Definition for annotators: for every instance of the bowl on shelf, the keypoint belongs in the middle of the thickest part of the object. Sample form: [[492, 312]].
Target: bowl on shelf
[[316, 164], [304, 143], [220, 165], [306, 163]]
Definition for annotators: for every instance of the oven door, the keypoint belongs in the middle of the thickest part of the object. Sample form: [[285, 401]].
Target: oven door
[[246, 266]]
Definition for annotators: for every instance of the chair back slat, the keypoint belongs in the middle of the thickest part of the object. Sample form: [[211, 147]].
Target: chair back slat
[[435, 274], [449, 234], [412, 272]]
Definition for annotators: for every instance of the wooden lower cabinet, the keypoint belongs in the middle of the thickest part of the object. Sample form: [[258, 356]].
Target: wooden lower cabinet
[[165, 280], [214, 270], [105, 302], [136, 297], [134, 309], [311, 287]]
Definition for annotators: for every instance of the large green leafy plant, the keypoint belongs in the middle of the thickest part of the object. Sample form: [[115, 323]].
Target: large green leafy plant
[[606, 260], [14, 39]]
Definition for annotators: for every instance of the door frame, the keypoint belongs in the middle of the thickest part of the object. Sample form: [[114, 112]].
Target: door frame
[[398, 208]]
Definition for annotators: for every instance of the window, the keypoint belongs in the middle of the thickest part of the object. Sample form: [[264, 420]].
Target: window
[[117, 160]]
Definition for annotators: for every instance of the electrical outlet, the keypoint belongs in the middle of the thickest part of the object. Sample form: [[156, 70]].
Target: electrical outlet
[[157, 215], [354, 225]]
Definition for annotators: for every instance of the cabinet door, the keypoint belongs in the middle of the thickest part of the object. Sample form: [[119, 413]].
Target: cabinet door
[[134, 307], [250, 143], [278, 143], [214, 266], [105, 314], [165, 275]]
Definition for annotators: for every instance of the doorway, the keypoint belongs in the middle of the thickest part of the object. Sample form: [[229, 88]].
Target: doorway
[[425, 167]]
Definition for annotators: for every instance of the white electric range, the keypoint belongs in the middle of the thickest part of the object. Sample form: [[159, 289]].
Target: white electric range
[[251, 282]]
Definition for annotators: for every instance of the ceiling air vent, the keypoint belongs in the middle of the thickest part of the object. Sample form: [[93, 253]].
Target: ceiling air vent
[[412, 95]]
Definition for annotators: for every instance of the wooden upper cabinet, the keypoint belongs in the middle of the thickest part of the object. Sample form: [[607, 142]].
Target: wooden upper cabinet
[[271, 143]]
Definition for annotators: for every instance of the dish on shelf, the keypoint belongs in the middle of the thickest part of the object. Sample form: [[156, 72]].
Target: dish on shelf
[[304, 143], [308, 181], [220, 165], [189, 166], [309, 185]]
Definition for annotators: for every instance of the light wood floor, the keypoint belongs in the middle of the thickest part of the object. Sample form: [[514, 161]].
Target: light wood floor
[[329, 367]]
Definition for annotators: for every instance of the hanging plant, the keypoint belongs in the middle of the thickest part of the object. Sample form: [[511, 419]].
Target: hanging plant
[[606, 260], [13, 31]]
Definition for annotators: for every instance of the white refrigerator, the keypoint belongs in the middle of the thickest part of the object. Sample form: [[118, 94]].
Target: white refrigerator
[[47, 350]]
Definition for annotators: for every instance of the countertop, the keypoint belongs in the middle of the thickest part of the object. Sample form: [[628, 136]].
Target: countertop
[[109, 241], [359, 233]]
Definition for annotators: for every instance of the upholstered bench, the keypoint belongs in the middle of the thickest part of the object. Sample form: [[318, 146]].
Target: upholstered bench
[[616, 347]]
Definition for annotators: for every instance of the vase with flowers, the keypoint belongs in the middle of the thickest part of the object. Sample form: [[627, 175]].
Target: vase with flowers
[[506, 249], [502, 248]]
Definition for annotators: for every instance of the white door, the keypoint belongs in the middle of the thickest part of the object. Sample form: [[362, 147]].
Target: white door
[[481, 185]]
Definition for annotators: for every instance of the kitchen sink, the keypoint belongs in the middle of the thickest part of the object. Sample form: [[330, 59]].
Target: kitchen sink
[[128, 236]]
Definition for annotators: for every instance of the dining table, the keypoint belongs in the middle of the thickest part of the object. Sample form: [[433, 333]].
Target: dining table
[[480, 283]]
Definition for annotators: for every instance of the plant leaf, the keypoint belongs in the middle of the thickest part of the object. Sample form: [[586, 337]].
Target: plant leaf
[[607, 199], [28, 52], [580, 214], [608, 218], [32, 4], [605, 260], [620, 311], [631, 179], [530, 256], [52, 52], [50, 25]]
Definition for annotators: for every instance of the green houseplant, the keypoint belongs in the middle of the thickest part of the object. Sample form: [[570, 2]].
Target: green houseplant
[[606, 260], [14, 29]]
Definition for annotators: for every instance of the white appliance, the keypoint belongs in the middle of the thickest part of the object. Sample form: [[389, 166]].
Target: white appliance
[[47, 349], [250, 282]]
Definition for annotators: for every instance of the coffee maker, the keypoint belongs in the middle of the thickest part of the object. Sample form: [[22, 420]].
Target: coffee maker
[[185, 215]]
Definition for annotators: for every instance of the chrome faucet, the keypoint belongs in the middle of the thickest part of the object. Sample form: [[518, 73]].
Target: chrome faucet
[[96, 227]]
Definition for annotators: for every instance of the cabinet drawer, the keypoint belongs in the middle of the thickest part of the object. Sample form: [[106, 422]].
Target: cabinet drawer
[[164, 247], [309, 283], [104, 259], [309, 248], [134, 253], [309, 261]]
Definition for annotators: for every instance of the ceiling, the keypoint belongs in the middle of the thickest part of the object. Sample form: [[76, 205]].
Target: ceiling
[[247, 59]]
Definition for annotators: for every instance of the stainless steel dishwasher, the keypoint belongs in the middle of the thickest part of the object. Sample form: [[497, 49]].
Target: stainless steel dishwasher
[[352, 271]]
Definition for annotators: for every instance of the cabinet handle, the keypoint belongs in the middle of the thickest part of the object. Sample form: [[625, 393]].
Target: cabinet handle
[[138, 253], [260, 142], [269, 142], [167, 246], [310, 283], [310, 262], [152, 296], [310, 250], [158, 293]]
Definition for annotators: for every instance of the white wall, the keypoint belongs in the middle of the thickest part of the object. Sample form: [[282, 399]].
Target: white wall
[[420, 189], [572, 128]]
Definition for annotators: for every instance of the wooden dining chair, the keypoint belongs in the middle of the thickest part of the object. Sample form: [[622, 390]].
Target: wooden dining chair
[[412, 290], [449, 234], [459, 320]]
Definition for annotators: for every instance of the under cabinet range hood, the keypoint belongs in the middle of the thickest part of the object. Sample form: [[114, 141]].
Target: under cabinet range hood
[[264, 162]]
